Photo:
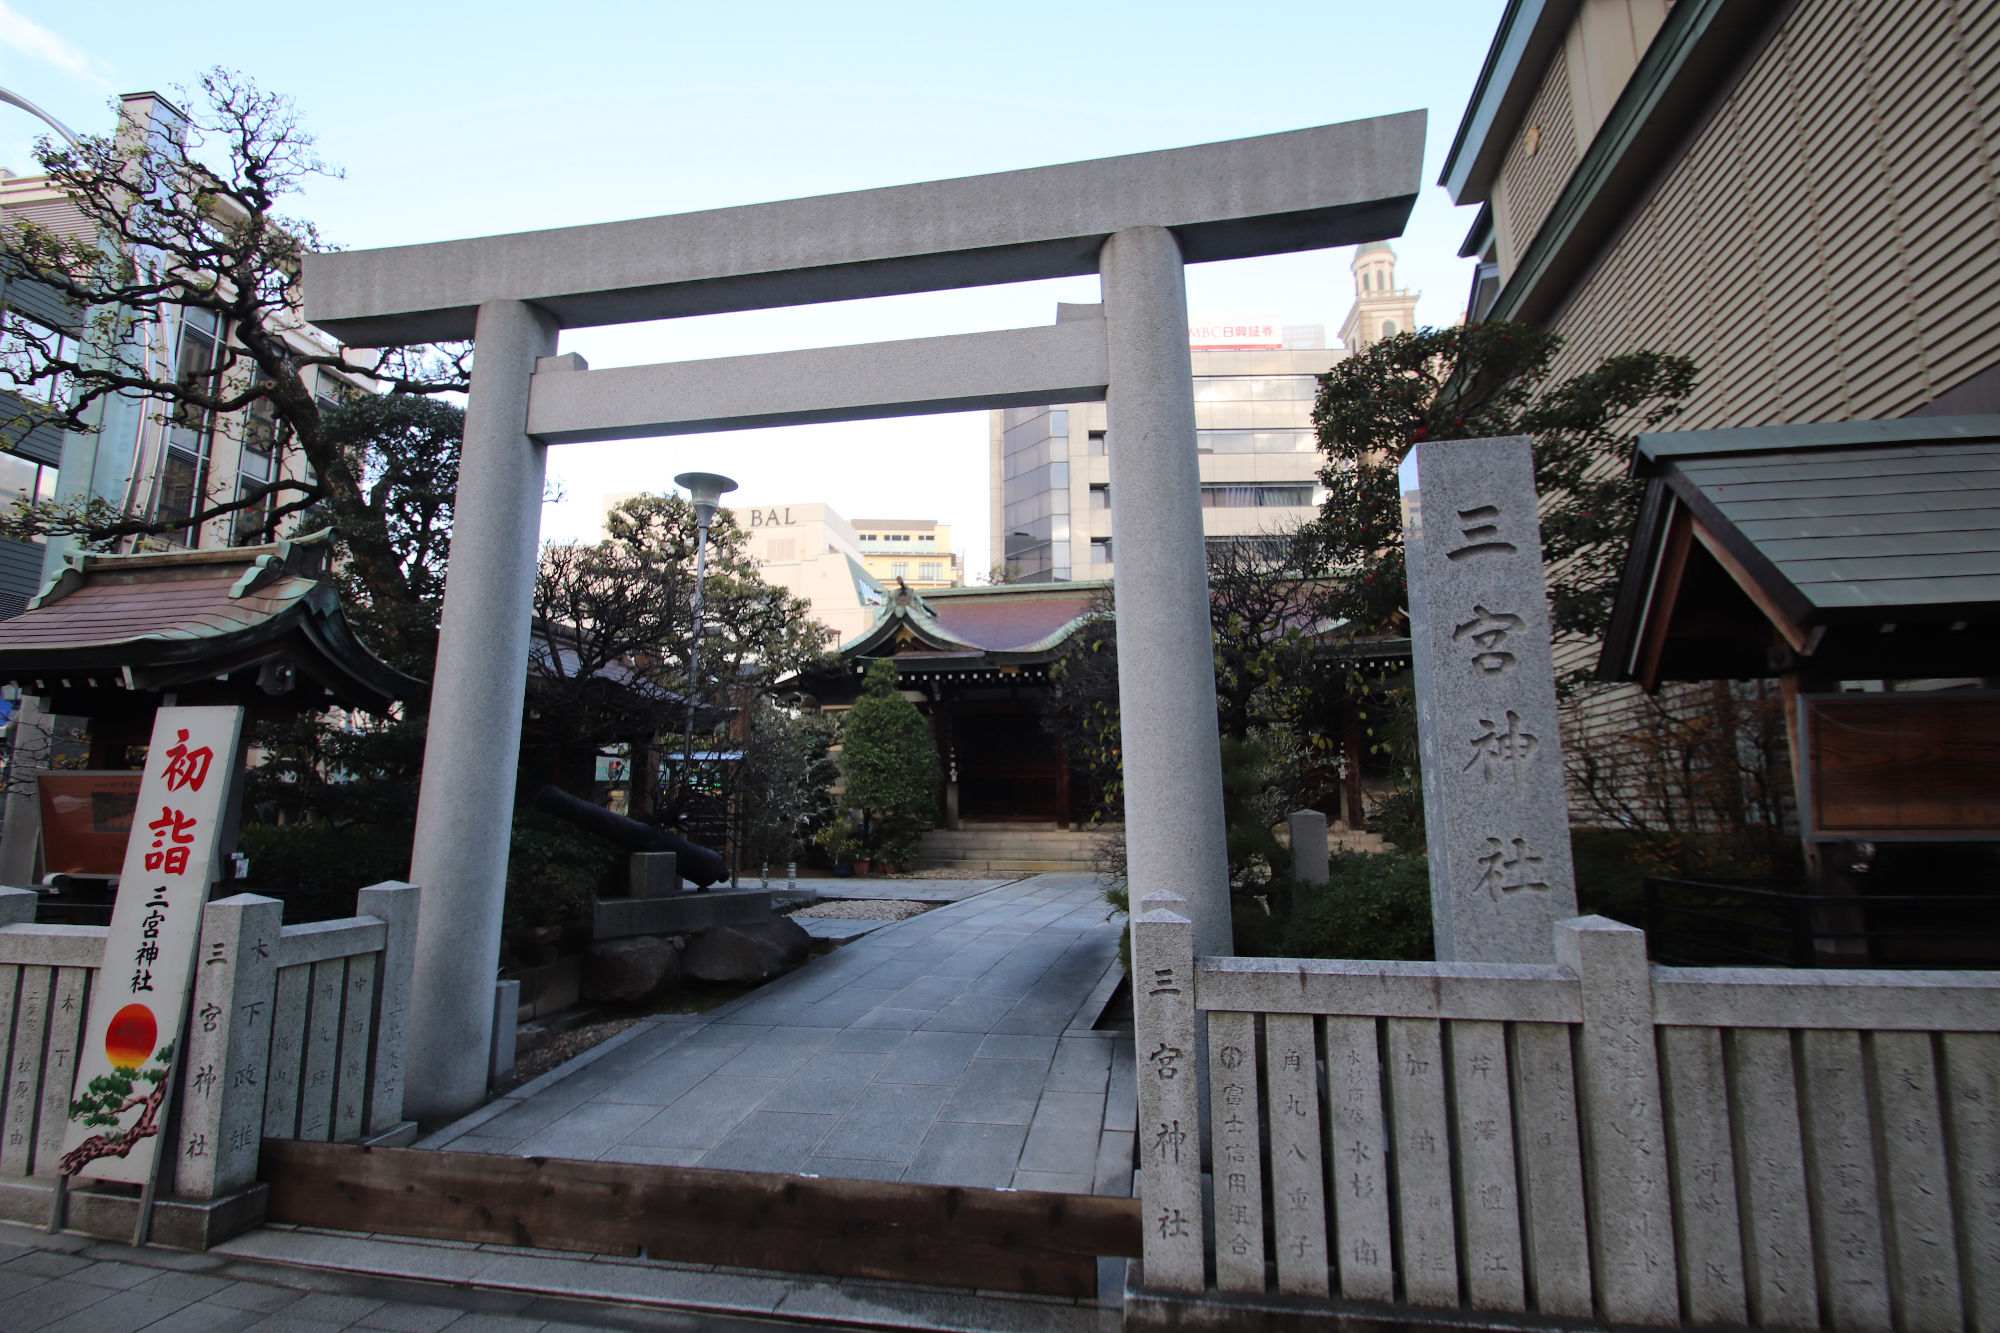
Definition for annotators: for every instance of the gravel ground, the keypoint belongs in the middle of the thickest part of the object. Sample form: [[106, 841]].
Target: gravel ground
[[563, 1046], [865, 909]]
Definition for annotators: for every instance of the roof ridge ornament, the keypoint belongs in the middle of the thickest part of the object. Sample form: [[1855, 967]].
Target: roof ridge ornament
[[63, 582]]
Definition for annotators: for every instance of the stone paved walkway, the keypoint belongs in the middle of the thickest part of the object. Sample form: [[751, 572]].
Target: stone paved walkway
[[953, 1048]]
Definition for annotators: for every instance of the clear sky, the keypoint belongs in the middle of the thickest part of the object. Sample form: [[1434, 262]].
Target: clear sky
[[454, 119]]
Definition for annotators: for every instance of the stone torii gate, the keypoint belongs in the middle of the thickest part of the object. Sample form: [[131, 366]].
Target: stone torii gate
[[1135, 220]]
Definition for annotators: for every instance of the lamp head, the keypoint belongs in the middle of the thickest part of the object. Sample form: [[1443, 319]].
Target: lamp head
[[704, 489]]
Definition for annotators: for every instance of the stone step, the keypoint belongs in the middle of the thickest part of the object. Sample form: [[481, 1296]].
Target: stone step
[[1025, 839], [1005, 866], [964, 846], [1069, 852]]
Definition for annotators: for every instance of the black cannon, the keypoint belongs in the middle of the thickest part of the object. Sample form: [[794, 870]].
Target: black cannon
[[698, 864]]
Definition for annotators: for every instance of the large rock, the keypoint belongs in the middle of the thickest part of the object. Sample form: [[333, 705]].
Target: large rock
[[749, 952], [627, 971], [787, 934]]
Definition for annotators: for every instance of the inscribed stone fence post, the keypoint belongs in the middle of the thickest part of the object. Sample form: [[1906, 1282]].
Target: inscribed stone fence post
[[222, 1099], [1169, 1094], [395, 904], [1497, 821], [17, 906], [1625, 1139]]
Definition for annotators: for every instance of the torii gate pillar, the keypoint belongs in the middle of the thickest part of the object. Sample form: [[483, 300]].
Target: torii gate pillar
[[1175, 840], [465, 808]]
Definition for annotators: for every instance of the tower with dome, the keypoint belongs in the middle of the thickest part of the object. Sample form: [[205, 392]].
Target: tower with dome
[[1381, 308]]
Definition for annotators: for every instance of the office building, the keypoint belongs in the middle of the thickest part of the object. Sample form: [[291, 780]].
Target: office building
[[915, 550], [814, 552], [1254, 384]]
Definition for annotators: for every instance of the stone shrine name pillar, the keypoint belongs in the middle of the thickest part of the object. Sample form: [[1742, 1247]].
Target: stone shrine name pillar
[[466, 807], [1174, 838], [1495, 812]]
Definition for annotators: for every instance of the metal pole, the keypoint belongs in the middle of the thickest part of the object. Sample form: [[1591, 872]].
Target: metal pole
[[694, 663]]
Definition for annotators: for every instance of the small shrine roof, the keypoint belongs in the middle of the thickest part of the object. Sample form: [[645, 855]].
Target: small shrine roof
[[1010, 623], [163, 621], [1858, 550]]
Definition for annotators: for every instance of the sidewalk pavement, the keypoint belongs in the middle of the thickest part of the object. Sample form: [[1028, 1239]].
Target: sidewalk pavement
[[953, 1048], [72, 1284]]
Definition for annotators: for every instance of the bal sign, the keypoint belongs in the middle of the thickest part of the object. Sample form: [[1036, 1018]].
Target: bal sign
[[131, 1036]]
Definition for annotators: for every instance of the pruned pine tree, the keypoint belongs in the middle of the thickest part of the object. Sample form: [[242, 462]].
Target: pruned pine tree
[[1477, 381], [182, 229]]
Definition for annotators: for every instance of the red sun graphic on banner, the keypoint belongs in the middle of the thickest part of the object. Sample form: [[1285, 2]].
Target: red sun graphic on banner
[[131, 1036]]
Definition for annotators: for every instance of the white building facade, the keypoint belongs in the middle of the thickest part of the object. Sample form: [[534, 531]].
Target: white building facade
[[144, 458], [1255, 380]]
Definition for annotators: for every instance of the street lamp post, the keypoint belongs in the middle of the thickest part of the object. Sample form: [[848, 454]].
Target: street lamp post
[[704, 490]]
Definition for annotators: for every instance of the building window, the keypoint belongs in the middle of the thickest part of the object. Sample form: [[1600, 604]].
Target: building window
[[25, 479], [1255, 497], [1255, 389], [1098, 447], [26, 347], [1388, 328], [930, 571], [899, 570], [1255, 441], [182, 487], [1100, 550], [1100, 496]]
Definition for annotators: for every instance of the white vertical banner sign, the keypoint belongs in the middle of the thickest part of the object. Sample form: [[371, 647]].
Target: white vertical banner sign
[[125, 1070]]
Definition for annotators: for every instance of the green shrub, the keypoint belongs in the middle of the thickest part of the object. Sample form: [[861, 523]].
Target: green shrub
[[1119, 896], [888, 762], [320, 857], [1257, 920], [1373, 905], [1611, 869], [555, 871]]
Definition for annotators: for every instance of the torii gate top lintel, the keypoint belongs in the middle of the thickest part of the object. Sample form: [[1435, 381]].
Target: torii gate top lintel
[[1304, 189]]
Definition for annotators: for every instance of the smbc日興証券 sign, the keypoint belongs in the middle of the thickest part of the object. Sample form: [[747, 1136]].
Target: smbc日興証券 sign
[[133, 1035]]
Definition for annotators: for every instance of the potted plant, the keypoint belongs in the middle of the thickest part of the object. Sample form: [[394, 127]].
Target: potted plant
[[840, 839]]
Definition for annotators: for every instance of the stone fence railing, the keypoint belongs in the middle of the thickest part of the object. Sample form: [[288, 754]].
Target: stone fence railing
[[1593, 1139], [296, 1032]]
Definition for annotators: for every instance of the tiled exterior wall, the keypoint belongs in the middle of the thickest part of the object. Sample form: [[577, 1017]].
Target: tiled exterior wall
[[1824, 248], [1528, 185]]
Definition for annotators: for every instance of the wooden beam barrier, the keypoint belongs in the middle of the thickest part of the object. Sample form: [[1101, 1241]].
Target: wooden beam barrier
[[1005, 1240]]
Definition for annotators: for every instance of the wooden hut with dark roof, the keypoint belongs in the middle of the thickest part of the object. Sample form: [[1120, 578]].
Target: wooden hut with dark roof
[[1861, 550], [1858, 563]]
